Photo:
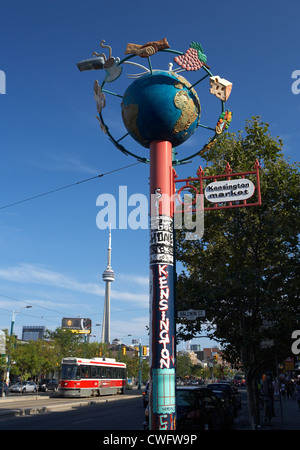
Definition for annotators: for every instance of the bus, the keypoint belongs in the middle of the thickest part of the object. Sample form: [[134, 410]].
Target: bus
[[91, 377]]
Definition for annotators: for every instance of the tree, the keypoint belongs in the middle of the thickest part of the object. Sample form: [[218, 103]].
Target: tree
[[183, 365], [25, 360], [66, 343], [244, 270], [46, 357]]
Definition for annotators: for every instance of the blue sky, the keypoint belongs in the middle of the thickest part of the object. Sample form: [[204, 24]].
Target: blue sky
[[52, 254]]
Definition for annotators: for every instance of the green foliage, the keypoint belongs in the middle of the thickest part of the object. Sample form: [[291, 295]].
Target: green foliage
[[42, 357], [244, 271], [183, 365], [66, 342]]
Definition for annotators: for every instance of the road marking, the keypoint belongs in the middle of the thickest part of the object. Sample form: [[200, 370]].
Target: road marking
[[84, 420]]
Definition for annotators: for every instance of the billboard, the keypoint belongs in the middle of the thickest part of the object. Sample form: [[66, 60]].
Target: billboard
[[77, 325]]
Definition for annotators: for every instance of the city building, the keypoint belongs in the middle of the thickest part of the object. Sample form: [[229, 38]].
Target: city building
[[33, 333]]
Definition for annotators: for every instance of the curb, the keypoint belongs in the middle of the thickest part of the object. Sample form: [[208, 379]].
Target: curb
[[60, 406]]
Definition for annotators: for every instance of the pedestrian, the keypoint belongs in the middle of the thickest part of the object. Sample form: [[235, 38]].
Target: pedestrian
[[289, 389], [282, 389], [276, 389], [297, 393]]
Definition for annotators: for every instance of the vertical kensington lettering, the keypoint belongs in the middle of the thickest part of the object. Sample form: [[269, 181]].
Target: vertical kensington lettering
[[164, 337]]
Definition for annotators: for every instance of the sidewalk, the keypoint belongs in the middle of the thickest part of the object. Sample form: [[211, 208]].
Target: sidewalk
[[286, 417]]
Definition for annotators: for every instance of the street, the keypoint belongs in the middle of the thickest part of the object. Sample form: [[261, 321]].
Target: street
[[125, 414], [107, 413]]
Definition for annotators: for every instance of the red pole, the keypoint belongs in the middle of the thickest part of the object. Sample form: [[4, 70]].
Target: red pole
[[162, 321]]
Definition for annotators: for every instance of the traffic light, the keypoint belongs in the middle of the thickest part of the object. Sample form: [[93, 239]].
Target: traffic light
[[215, 358], [144, 350], [123, 351]]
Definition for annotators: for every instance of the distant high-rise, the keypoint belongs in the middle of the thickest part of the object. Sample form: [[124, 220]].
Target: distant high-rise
[[33, 333], [108, 276]]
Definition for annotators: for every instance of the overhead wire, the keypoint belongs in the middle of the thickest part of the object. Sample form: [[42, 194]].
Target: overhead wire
[[30, 304], [68, 186]]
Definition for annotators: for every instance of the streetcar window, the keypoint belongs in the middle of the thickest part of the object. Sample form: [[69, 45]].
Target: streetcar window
[[94, 371], [85, 371], [70, 372]]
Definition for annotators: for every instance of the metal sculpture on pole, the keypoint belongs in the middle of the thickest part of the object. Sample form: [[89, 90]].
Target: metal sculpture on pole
[[161, 110]]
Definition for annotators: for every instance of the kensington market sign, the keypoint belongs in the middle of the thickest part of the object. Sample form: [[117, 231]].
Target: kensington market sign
[[228, 191]]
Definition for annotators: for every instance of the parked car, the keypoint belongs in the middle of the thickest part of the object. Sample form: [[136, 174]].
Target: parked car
[[48, 384], [227, 405], [197, 408], [234, 394], [146, 395], [5, 391], [25, 386]]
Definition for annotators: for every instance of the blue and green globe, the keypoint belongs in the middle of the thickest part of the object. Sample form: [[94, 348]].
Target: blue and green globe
[[160, 106]]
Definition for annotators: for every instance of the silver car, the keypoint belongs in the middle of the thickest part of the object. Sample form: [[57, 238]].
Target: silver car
[[25, 386]]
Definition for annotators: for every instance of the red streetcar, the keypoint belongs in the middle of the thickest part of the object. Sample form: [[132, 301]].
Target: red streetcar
[[91, 377]]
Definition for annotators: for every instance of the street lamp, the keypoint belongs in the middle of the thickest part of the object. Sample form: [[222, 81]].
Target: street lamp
[[11, 334]]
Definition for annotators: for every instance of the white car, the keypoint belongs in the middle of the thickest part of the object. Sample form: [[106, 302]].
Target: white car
[[26, 386]]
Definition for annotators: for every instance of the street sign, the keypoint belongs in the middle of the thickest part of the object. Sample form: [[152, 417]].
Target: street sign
[[229, 190], [232, 191], [267, 343], [191, 314]]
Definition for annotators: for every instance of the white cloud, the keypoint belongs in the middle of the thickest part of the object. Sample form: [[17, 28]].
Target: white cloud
[[28, 273], [37, 275]]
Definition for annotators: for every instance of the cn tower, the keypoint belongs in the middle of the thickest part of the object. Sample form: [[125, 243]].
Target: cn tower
[[108, 276]]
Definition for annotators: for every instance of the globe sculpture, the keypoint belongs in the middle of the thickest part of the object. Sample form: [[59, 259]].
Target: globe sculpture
[[160, 106]]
